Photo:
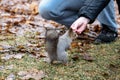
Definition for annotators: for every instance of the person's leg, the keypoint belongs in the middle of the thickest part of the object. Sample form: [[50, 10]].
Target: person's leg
[[61, 11], [107, 16], [107, 20]]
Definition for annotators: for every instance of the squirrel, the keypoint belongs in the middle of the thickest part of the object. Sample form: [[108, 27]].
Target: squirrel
[[51, 42], [56, 45]]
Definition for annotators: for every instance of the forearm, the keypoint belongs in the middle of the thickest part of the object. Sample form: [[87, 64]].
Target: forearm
[[92, 8], [118, 3]]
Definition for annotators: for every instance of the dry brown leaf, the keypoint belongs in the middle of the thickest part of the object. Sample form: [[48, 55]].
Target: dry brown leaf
[[34, 7], [21, 47], [33, 73], [2, 78], [76, 57], [74, 44], [54, 23], [87, 57], [1, 48]]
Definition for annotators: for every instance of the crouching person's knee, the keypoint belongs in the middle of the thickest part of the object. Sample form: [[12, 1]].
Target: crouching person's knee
[[48, 12], [44, 11]]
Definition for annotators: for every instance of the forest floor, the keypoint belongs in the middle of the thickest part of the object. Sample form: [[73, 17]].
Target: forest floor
[[22, 50]]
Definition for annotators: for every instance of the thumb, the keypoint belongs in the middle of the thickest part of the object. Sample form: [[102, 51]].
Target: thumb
[[81, 29], [74, 27]]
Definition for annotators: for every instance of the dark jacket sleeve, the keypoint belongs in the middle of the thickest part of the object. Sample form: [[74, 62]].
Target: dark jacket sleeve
[[92, 8]]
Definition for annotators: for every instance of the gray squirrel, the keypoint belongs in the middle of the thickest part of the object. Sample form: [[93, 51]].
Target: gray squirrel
[[56, 45]]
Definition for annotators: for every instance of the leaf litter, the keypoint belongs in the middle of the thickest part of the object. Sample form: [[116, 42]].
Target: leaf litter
[[31, 74], [21, 18], [10, 56]]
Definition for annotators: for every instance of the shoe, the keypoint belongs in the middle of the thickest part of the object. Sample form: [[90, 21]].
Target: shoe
[[106, 36]]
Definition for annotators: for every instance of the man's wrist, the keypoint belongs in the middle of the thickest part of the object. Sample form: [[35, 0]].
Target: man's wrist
[[86, 19]]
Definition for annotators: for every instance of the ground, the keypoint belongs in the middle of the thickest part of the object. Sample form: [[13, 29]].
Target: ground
[[22, 48]]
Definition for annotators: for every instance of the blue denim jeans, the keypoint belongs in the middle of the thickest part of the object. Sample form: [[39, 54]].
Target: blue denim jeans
[[66, 12]]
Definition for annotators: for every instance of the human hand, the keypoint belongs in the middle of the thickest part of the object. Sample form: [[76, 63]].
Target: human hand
[[80, 25]]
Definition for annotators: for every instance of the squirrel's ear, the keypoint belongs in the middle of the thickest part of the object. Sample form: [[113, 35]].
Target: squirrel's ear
[[47, 28], [70, 32]]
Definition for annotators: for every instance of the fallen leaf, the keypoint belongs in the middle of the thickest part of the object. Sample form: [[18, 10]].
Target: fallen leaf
[[54, 23], [1, 48], [31, 74], [6, 46], [11, 77], [18, 56], [2, 67], [10, 56], [9, 67], [87, 57], [74, 44], [34, 7], [21, 46], [7, 57], [76, 57]]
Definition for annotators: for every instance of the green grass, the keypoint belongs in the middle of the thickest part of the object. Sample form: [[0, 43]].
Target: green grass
[[106, 65]]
